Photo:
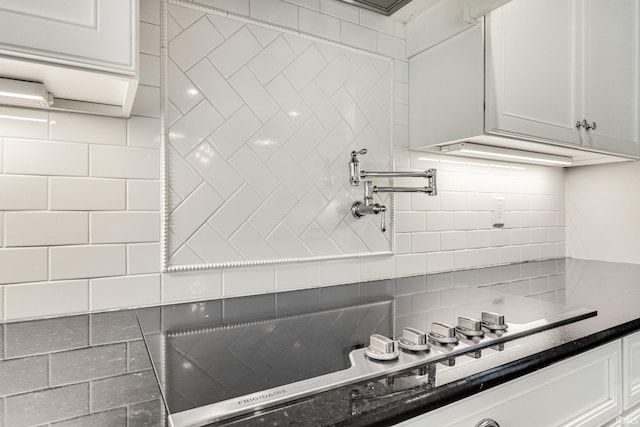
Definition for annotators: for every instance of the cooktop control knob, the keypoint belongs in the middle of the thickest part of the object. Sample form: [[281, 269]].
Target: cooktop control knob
[[413, 340], [381, 348], [493, 321], [469, 327], [443, 333]]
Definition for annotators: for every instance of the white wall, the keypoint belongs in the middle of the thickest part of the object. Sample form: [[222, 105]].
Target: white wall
[[603, 212], [80, 195]]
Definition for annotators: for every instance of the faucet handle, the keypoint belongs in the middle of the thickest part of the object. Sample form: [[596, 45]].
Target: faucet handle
[[354, 154], [383, 218]]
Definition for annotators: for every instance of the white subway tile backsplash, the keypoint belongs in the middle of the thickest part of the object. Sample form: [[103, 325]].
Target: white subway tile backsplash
[[422, 202], [452, 230], [465, 259], [195, 210], [117, 162], [143, 195], [23, 265], [401, 74], [411, 264], [467, 221], [193, 127], [499, 237], [271, 60], [149, 70], [338, 272], [23, 193], [254, 94], [86, 194], [214, 168], [478, 239], [376, 21], [401, 93], [489, 256], [539, 235], [240, 7], [237, 282], [453, 240], [403, 243], [191, 286], [46, 228], [150, 11], [80, 262], [509, 254], [374, 268], [45, 158], [529, 219], [46, 299], [319, 25], [340, 10], [23, 123], [439, 261], [410, 222], [520, 236], [391, 46], [85, 128], [126, 291], [439, 221], [297, 276], [143, 132], [357, 36], [310, 4], [425, 242], [274, 12], [212, 84], [125, 227], [144, 258], [529, 252], [149, 39]]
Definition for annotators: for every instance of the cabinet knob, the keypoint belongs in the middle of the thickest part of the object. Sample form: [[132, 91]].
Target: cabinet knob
[[487, 422]]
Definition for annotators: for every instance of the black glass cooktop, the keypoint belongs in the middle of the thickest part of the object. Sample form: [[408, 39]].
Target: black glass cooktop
[[224, 358], [217, 350]]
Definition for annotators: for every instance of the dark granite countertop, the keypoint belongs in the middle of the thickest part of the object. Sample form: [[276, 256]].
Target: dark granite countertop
[[94, 369], [611, 288]]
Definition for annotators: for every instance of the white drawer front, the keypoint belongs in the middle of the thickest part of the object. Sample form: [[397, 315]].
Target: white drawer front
[[582, 391]]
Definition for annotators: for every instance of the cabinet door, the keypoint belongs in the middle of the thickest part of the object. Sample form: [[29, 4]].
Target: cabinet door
[[532, 80], [97, 34], [583, 391], [611, 86], [631, 371], [447, 92]]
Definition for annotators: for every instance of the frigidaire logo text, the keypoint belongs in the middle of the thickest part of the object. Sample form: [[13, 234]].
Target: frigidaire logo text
[[261, 397]]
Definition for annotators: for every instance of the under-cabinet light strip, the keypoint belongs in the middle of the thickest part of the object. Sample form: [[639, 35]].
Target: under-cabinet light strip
[[504, 153]]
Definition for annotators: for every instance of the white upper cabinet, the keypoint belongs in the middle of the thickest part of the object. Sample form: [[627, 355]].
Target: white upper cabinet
[[82, 50], [611, 75], [527, 76], [532, 79], [89, 33], [553, 63]]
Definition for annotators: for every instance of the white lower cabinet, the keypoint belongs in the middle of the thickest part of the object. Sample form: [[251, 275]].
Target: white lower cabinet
[[631, 370], [585, 390]]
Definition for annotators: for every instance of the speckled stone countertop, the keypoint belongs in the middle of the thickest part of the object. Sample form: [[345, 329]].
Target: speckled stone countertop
[[611, 288], [93, 370]]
